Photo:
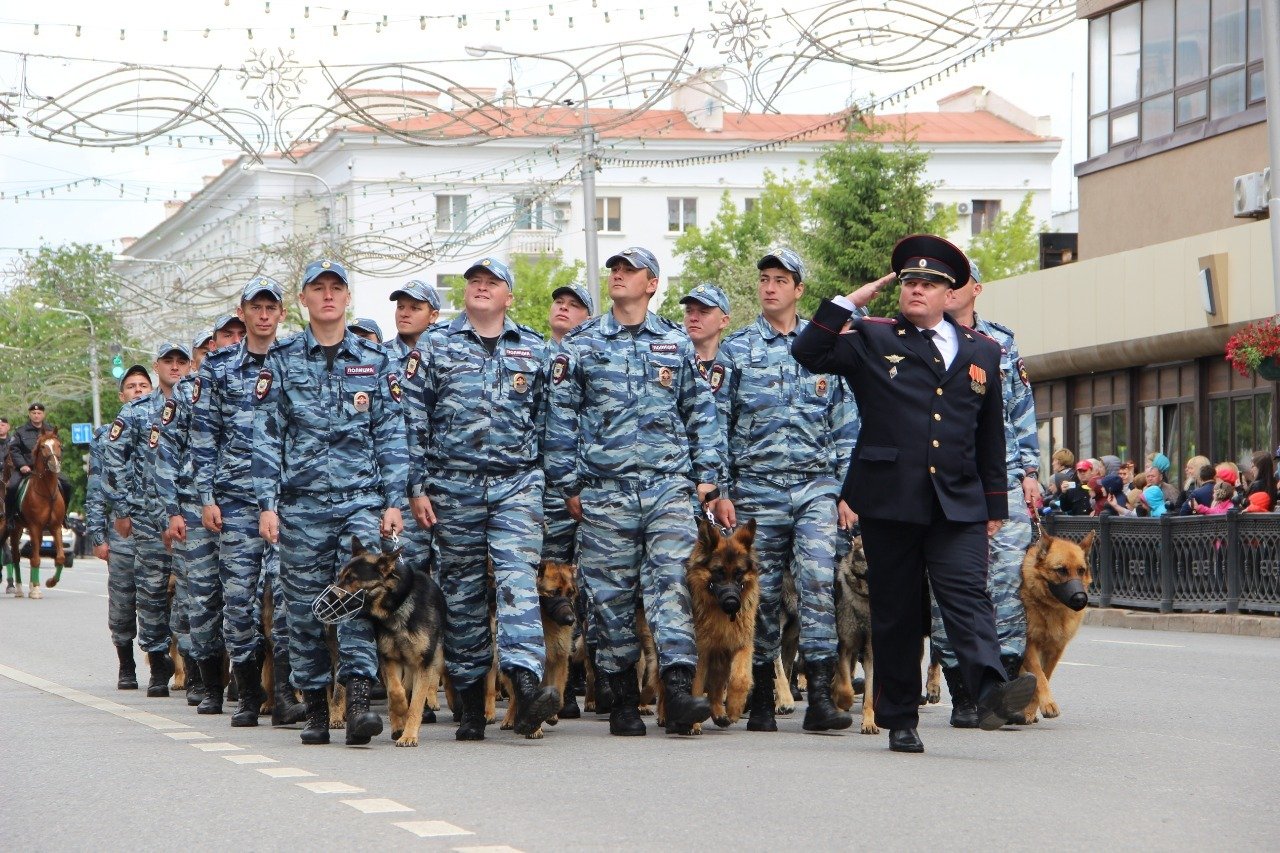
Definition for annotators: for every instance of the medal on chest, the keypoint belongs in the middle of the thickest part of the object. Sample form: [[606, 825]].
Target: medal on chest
[[977, 379]]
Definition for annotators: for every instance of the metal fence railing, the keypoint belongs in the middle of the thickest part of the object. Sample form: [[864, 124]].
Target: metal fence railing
[[1225, 563]]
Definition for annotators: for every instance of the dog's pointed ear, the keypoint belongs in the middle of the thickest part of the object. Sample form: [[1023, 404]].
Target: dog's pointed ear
[[707, 536], [542, 569], [746, 533], [1087, 543], [388, 561], [1042, 547], [356, 547]]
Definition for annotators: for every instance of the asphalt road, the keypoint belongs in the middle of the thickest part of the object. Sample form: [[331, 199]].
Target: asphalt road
[[1167, 741]]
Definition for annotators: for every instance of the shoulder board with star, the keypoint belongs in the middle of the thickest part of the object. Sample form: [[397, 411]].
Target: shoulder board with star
[[999, 327], [370, 345], [583, 328], [531, 332], [982, 336]]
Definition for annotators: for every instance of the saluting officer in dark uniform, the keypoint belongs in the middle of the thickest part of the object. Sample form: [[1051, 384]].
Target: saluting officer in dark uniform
[[927, 478]]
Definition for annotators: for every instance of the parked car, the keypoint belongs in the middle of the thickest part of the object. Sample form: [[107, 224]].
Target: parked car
[[46, 545]]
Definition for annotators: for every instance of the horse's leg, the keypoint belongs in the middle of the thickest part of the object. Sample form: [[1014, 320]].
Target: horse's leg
[[37, 537], [15, 578], [59, 554]]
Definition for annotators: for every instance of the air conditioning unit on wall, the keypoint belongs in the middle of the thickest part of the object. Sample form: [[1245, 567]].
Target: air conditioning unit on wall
[[963, 208], [1250, 195]]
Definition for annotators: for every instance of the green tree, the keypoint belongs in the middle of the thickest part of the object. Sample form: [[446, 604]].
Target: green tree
[[536, 277], [865, 197], [1011, 246]]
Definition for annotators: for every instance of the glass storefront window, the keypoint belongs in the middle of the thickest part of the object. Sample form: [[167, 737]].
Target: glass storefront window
[[1099, 62], [1126, 47], [1227, 46], [1157, 47]]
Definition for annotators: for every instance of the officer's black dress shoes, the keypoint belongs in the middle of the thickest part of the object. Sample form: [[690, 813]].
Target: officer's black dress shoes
[[1001, 700], [905, 740]]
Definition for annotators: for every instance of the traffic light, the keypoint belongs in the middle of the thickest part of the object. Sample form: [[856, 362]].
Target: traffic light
[[117, 366]]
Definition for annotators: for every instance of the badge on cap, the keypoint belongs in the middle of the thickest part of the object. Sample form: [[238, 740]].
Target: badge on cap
[[325, 265], [978, 379], [821, 386], [170, 409], [520, 383], [153, 438], [664, 377], [393, 385], [411, 364], [361, 401], [263, 386], [117, 427], [195, 391], [717, 377], [559, 368]]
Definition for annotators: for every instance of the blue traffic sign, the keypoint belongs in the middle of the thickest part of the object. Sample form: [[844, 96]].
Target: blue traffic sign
[[81, 433]]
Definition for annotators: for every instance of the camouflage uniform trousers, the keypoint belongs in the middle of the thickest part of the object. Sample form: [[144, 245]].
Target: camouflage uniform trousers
[[204, 590], [635, 540], [152, 565], [416, 541], [122, 592], [1005, 551], [499, 517], [241, 565], [315, 543], [179, 610], [279, 613], [795, 532]]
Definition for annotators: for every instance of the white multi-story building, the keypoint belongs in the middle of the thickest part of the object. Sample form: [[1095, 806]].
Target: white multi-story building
[[399, 210]]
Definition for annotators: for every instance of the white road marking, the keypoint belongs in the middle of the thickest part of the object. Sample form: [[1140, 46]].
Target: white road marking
[[284, 772], [376, 805], [153, 721], [250, 759], [433, 828], [1073, 663], [1134, 643], [220, 746], [188, 736], [330, 788]]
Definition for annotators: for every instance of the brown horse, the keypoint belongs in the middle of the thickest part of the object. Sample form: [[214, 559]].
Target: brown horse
[[41, 509]]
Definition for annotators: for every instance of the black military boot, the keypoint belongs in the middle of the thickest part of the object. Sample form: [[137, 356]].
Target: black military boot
[[127, 678], [964, 712], [569, 710], [604, 686], [161, 672], [683, 709], [576, 685], [473, 719], [211, 675], [317, 728], [248, 677], [822, 715], [362, 724], [1012, 669], [195, 683], [534, 703], [624, 713], [761, 718], [286, 710]]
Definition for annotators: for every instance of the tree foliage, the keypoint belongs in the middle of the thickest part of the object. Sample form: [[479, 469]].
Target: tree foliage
[[536, 278], [1011, 246]]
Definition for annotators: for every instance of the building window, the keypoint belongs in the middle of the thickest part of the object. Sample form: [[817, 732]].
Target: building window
[[609, 215], [984, 215], [1240, 425], [682, 214], [534, 214], [451, 213], [1159, 65], [749, 204], [1169, 428]]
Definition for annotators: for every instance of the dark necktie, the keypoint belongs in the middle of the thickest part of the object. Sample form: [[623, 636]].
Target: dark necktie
[[933, 348]]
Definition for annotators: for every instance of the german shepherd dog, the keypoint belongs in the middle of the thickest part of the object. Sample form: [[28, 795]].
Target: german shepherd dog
[[724, 586], [853, 630], [557, 591], [1055, 584], [407, 611]]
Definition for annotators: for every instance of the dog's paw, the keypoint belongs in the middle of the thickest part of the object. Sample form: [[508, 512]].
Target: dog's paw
[[1050, 710], [870, 728], [933, 695], [842, 698], [506, 725], [696, 729], [537, 734], [782, 709], [646, 711], [552, 720], [406, 740], [588, 706], [490, 720], [722, 722]]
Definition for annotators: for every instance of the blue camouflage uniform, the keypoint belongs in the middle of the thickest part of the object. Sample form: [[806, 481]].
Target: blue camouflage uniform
[[129, 485], [632, 429], [122, 593], [789, 432], [1007, 548], [329, 456], [476, 454], [409, 363], [222, 447]]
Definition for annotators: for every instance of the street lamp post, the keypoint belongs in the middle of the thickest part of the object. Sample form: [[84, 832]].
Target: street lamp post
[[587, 167], [94, 383], [331, 230]]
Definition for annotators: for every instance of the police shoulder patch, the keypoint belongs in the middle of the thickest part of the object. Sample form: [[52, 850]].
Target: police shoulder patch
[[195, 390], [263, 386], [393, 385], [153, 437], [117, 427], [1022, 373], [170, 409], [559, 368]]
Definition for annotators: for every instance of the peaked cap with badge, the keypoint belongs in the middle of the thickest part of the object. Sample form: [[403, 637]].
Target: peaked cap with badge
[[924, 256]]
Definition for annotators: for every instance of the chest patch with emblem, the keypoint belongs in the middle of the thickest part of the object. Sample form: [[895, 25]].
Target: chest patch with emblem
[[716, 378], [170, 409], [821, 386], [559, 368], [263, 386], [195, 391], [153, 438], [664, 377], [361, 401], [117, 427], [520, 383], [411, 364], [361, 370], [519, 352], [393, 385], [663, 347]]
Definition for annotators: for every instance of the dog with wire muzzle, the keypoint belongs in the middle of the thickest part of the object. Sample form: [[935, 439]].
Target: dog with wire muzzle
[[557, 591], [406, 609], [724, 586]]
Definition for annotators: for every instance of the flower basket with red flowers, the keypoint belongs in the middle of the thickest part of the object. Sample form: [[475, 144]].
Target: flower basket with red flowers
[[1256, 348]]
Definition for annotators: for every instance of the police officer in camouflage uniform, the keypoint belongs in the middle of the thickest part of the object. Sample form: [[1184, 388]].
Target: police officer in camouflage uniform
[[789, 432], [631, 435], [366, 328], [129, 463], [417, 309], [174, 483], [481, 403], [329, 464], [222, 455], [1007, 548], [706, 316], [108, 545]]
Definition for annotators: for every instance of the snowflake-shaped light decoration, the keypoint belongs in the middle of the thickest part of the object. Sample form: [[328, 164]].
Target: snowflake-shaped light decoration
[[277, 78], [742, 28]]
